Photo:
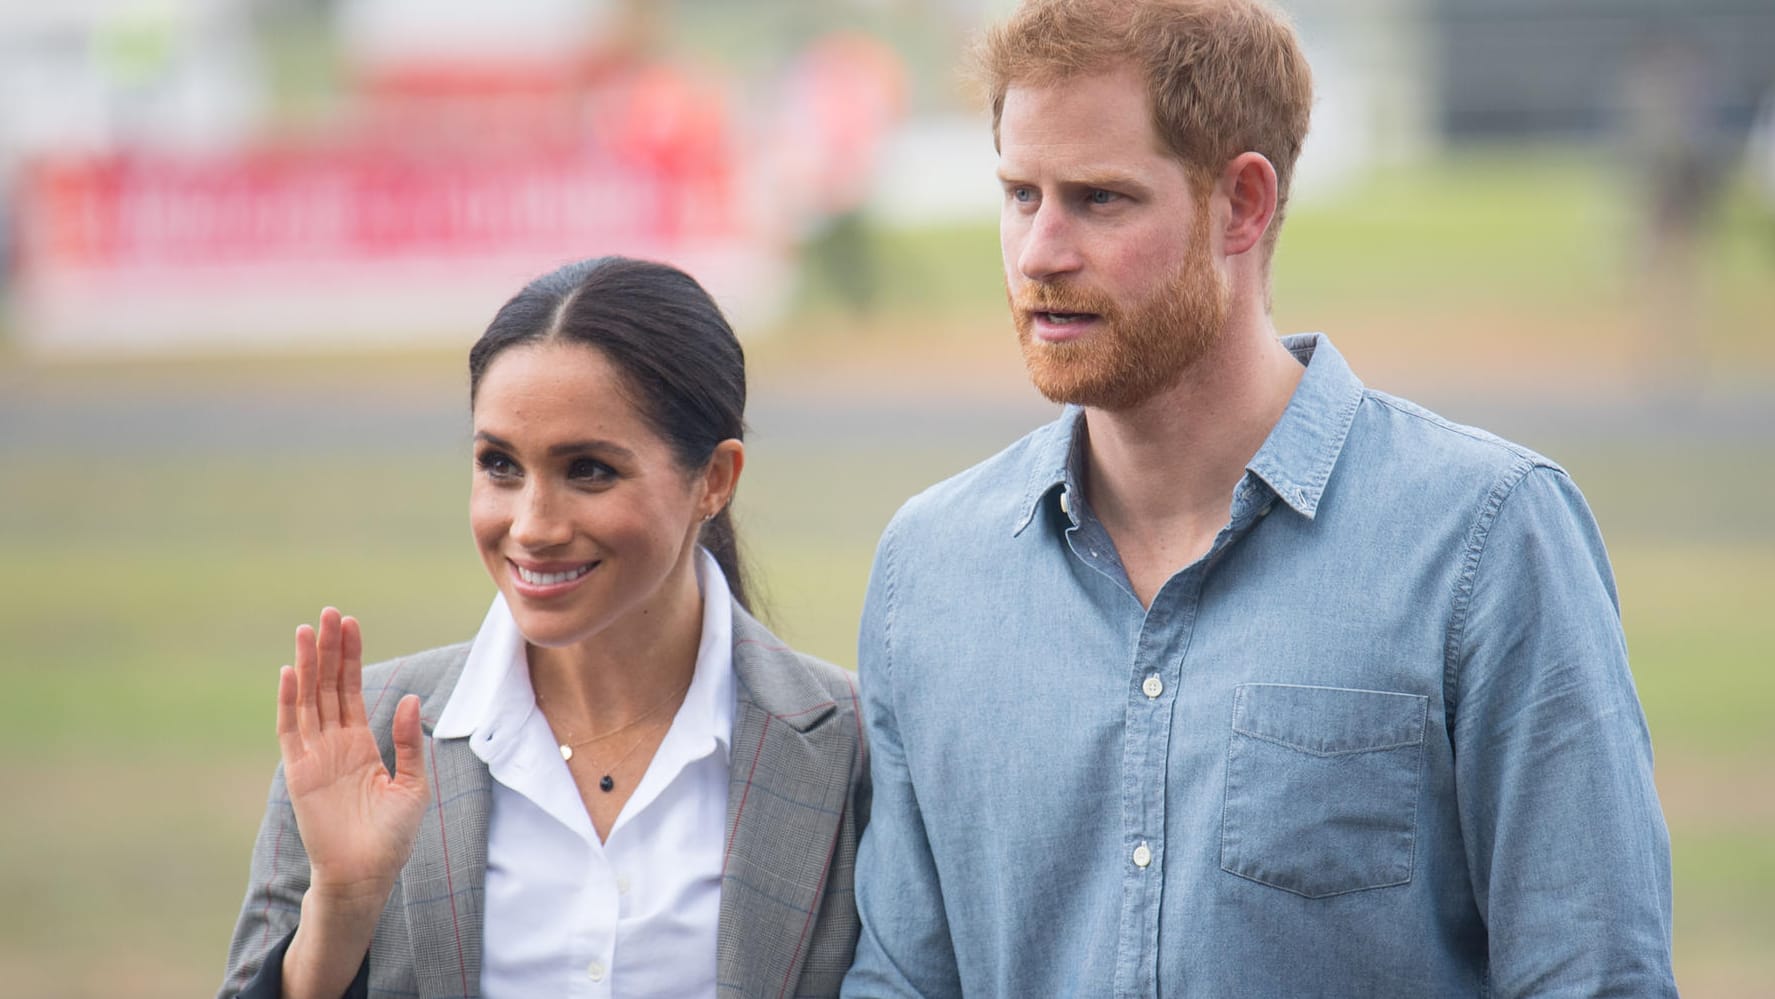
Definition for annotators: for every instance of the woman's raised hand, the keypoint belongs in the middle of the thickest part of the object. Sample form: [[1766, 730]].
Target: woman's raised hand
[[357, 820]]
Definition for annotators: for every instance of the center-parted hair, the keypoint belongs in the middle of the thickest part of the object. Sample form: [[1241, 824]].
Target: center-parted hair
[[1223, 77], [680, 361]]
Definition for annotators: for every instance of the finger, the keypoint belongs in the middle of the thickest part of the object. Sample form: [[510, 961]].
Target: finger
[[409, 743], [328, 690], [289, 737], [351, 672], [307, 716]]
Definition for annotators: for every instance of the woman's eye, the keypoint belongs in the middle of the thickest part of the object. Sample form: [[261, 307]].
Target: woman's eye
[[589, 470], [497, 465]]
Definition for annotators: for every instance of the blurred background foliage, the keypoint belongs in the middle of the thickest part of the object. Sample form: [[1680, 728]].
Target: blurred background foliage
[[1516, 256]]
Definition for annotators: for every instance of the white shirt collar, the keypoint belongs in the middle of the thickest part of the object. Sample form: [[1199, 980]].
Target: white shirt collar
[[710, 701], [494, 693]]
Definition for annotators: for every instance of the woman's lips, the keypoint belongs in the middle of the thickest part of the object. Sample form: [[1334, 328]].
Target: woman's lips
[[548, 580]]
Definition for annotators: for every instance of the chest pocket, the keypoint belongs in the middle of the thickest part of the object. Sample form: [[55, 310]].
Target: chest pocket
[[1322, 787]]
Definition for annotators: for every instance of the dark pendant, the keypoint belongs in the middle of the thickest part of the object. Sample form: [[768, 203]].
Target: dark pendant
[[605, 783]]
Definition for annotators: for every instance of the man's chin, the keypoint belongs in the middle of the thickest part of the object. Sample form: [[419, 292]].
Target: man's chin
[[1072, 374], [1075, 382]]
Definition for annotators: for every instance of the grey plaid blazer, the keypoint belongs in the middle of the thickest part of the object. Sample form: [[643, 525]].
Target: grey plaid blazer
[[798, 798]]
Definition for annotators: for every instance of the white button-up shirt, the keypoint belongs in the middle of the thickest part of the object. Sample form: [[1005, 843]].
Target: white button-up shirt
[[567, 915]]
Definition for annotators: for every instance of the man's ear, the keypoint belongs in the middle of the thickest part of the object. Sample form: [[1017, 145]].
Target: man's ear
[[1249, 184]]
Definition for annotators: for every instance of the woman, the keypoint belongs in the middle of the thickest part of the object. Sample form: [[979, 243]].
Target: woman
[[624, 785]]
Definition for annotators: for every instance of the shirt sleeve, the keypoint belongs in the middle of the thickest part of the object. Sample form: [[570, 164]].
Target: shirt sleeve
[[905, 947], [1565, 840]]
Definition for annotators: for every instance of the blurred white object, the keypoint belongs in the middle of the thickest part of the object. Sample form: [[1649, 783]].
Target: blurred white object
[[382, 31], [84, 75]]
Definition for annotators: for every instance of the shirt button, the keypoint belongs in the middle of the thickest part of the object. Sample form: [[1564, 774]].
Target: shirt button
[[622, 884], [595, 971], [1152, 686], [1143, 855], [1065, 504]]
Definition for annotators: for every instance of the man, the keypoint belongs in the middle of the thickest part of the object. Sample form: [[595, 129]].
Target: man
[[1239, 679]]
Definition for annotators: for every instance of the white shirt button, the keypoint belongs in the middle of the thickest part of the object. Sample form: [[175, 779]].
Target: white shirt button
[[595, 971], [1065, 504], [622, 884], [1152, 686], [1143, 855]]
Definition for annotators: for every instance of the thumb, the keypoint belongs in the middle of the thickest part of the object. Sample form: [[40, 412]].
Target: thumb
[[409, 743]]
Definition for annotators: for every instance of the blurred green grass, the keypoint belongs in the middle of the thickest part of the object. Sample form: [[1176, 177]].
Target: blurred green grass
[[148, 592]]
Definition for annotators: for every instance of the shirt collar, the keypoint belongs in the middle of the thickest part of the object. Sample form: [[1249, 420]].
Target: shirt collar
[[1053, 465], [1295, 461], [495, 660], [1297, 457], [495, 682], [709, 703]]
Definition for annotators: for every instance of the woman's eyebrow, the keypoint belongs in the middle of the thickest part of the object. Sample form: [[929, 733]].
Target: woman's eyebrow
[[566, 448]]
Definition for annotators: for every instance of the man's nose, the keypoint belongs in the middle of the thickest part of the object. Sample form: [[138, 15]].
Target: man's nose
[[1049, 247]]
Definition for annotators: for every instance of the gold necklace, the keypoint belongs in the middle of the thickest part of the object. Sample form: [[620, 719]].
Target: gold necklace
[[607, 782]]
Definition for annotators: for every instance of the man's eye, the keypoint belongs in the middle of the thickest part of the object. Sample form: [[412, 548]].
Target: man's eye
[[1022, 194], [1099, 196]]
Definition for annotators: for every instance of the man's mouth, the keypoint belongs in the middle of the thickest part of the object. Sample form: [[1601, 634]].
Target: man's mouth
[[1065, 318]]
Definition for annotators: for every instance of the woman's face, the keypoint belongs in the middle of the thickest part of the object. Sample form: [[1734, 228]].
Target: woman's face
[[581, 512]]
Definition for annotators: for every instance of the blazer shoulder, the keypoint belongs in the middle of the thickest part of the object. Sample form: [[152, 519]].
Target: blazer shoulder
[[431, 674], [840, 684], [791, 685]]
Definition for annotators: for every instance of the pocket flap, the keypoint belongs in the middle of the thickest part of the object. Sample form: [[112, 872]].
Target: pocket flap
[[1329, 721]]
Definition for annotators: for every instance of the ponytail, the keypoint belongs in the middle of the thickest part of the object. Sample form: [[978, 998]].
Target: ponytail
[[719, 537]]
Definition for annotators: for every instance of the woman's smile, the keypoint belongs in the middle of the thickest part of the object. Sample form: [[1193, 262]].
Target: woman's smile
[[540, 581]]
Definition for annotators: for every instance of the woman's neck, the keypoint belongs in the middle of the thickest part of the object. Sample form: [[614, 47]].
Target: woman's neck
[[625, 669]]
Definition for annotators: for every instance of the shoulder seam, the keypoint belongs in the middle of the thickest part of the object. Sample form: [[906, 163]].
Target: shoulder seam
[[1474, 555], [1405, 408], [890, 569]]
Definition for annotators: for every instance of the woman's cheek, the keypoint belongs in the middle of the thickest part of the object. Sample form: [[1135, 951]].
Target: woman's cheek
[[488, 519]]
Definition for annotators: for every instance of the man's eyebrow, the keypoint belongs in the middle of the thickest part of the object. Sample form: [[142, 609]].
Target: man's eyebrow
[[1105, 179], [566, 448]]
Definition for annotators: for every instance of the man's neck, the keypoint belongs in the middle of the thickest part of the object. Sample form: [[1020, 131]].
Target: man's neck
[[1160, 476]]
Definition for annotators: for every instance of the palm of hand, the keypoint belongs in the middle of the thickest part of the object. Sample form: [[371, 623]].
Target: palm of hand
[[357, 820]]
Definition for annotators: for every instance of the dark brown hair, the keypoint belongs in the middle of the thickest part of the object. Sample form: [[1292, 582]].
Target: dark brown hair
[[679, 359]]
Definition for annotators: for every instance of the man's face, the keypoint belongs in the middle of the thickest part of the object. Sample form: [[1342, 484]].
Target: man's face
[[1108, 262]]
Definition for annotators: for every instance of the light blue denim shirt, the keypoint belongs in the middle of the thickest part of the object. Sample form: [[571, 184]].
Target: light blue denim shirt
[[1381, 741]]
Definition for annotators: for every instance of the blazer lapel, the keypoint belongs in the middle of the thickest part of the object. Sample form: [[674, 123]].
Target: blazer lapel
[[442, 885], [789, 782]]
